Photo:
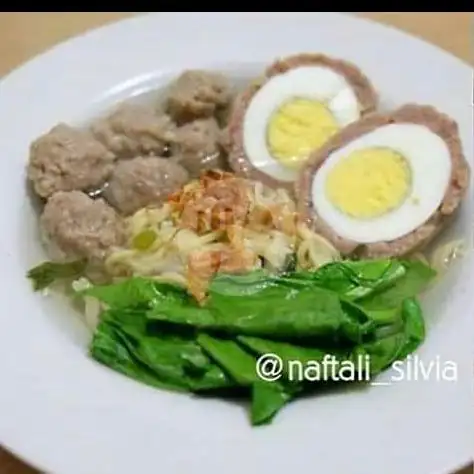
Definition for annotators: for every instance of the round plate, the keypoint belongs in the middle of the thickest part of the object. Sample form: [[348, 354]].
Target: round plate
[[66, 414]]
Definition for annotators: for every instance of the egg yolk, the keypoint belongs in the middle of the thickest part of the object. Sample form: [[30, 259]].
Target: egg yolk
[[298, 127], [369, 182]]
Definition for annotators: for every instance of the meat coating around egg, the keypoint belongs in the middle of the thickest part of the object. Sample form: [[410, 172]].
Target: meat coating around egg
[[300, 102], [408, 175]]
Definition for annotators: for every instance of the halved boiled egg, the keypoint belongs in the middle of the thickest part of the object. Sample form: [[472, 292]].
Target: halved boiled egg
[[384, 186], [301, 102]]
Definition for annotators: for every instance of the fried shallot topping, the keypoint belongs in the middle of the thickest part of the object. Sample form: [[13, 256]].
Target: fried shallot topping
[[202, 265], [237, 210], [212, 203]]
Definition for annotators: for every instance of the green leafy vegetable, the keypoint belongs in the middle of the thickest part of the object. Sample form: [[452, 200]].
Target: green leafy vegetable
[[47, 273], [267, 400], [156, 332], [382, 352], [244, 284], [289, 352], [293, 313], [416, 279], [175, 360], [108, 349], [276, 311], [230, 355], [267, 397], [352, 279], [403, 338], [414, 327], [135, 292]]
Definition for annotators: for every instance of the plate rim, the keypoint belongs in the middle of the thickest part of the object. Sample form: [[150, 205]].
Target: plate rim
[[105, 29]]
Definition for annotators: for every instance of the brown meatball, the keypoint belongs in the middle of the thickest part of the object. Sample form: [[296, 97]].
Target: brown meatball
[[142, 181], [197, 147], [197, 94], [133, 130], [433, 120], [66, 159], [78, 227]]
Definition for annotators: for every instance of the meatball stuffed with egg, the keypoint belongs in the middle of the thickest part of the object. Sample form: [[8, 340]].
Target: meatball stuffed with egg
[[386, 185], [299, 104]]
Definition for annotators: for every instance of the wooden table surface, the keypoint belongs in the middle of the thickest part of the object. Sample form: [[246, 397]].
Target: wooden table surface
[[23, 35]]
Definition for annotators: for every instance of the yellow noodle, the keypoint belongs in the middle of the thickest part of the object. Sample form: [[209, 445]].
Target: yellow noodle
[[166, 258], [279, 248], [171, 277], [314, 250], [116, 263], [186, 240]]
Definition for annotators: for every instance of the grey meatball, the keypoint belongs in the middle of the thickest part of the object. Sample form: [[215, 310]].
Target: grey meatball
[[197, 146], [143, 181], [197, 94], [66, 159], [133, 130], [78, 227]]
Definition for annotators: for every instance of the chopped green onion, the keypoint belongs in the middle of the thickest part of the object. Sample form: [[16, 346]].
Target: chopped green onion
[[144, 240]]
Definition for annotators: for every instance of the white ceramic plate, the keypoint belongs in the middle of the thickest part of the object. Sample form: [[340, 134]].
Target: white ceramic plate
[[68, 415]]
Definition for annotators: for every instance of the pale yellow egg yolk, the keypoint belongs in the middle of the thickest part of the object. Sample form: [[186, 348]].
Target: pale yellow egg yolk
[[369, 182], [298, 127]]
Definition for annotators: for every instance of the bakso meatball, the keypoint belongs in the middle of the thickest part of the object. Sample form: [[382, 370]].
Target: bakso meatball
[[133, 130], [66, 159], [197, 94], [143, 181], [76, 226], [197, 146], [375, 192]]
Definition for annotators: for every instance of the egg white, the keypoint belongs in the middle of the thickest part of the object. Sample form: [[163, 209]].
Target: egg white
[[429, 158], [312, 82]]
